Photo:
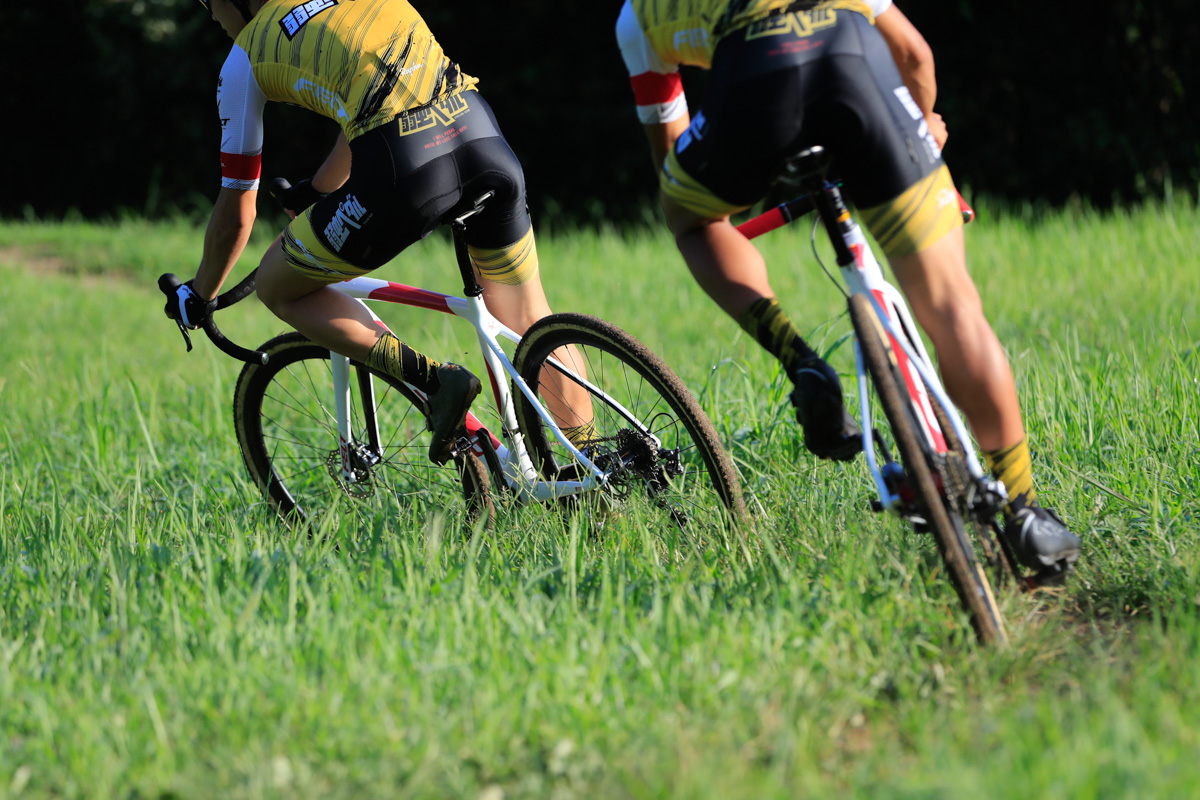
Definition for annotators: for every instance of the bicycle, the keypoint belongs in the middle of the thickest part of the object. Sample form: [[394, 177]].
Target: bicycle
[[326, 439], [936, 484]]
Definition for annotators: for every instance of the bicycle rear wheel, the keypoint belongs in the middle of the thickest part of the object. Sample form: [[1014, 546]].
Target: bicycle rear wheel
[[651, 436], [286, 424], [920, 463]]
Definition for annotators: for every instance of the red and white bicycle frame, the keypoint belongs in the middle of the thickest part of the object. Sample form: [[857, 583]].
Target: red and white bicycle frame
[[865, 277], [518, 469]]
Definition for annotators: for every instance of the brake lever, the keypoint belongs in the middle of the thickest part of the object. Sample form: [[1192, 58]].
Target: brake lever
[[186, 337]]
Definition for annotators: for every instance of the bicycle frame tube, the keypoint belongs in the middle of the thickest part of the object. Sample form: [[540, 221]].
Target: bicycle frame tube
[[864, 276], [341, 395], [519, 472]]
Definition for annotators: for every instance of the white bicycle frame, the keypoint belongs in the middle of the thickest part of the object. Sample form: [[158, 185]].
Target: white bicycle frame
[[519, 472], [864, 276]]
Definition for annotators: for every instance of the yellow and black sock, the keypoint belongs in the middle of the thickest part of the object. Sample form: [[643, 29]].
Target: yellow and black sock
[[581, 435], [397, 359], [772, 328], [1014, 467]]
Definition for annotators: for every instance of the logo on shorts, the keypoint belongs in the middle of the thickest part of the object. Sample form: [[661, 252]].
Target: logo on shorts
[[907, 101], [348, 217], [694, 132], [440, 113], [299, 16]]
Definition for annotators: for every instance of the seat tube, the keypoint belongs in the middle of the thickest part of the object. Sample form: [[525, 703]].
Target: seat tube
[[366, 394], [341, 391]]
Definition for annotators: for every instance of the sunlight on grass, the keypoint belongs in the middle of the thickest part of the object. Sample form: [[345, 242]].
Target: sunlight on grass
[[160, 635]]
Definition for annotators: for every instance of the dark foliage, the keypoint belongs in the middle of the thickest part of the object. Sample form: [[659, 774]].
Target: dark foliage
[[1041, 103]]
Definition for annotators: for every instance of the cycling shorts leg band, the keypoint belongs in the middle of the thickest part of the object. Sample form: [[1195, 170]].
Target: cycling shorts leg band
[[512, 265], [920, 216], [688, 192], [308, 255]]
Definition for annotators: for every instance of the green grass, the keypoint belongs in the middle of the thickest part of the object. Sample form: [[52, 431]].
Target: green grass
[[160, 638]]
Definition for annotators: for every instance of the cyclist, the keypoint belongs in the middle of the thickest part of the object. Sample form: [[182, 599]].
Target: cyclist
[[424, 145], [856, 77]]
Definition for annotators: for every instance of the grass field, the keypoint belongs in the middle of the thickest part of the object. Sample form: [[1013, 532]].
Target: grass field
[[158, 638]]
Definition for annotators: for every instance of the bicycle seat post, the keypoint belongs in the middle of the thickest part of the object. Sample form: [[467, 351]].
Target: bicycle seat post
[[808, 169], [458, 227]]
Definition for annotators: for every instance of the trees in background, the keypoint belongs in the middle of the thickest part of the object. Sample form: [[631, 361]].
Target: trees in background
[[111, 102]]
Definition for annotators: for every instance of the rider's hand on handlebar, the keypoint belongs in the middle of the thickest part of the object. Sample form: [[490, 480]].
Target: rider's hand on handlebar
[[294, 199], [188, 308]]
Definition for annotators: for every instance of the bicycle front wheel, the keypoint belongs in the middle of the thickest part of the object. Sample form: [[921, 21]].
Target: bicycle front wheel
[[920, 463], [650, 435], [286, 424]]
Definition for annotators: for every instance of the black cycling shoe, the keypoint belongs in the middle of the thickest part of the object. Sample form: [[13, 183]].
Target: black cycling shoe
[[448, 408], [829, 430], [1041, 539]]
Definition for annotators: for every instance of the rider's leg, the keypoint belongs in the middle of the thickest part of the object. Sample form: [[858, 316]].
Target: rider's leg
[[512, 288], [733, 273], [978, 378], [343, 325], [327, 317], [973, 364]]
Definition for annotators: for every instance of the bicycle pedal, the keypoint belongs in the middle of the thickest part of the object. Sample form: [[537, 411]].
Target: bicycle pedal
[[462, 445], [1051, 577]]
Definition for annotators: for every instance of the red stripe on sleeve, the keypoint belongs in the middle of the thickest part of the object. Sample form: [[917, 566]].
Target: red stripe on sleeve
[[241, 168], [651, 88]]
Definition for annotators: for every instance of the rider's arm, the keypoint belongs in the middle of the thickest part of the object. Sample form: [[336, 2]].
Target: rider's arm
[[330, 176], [228, 231], [657, 87], [662, 137], [914, 58], [240, 103]]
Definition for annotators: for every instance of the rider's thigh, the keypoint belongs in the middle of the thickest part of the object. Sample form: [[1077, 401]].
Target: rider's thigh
[[937, 284], [277, 282], [517, 306]]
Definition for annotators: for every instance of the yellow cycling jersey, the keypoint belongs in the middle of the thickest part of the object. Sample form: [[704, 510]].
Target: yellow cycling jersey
[[359, 62], [686, 32]]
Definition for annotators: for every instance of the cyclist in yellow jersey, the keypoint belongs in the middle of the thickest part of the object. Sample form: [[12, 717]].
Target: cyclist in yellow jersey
[[423, 144], [856, 77]]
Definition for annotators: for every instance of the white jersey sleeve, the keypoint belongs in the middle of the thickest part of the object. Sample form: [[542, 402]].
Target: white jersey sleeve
[[657, 87], [878, 6], [240, 103]]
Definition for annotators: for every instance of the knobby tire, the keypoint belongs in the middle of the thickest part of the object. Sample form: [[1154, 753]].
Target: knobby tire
[[708, 489], [918, 460], [286, 424]]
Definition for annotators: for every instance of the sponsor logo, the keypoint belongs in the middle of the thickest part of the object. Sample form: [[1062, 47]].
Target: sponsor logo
[[694, 37], [945, 198], [324, 97], [404, 73], [348, 217], [798, 23], [440, 113], [907, 101], [299, 16]]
